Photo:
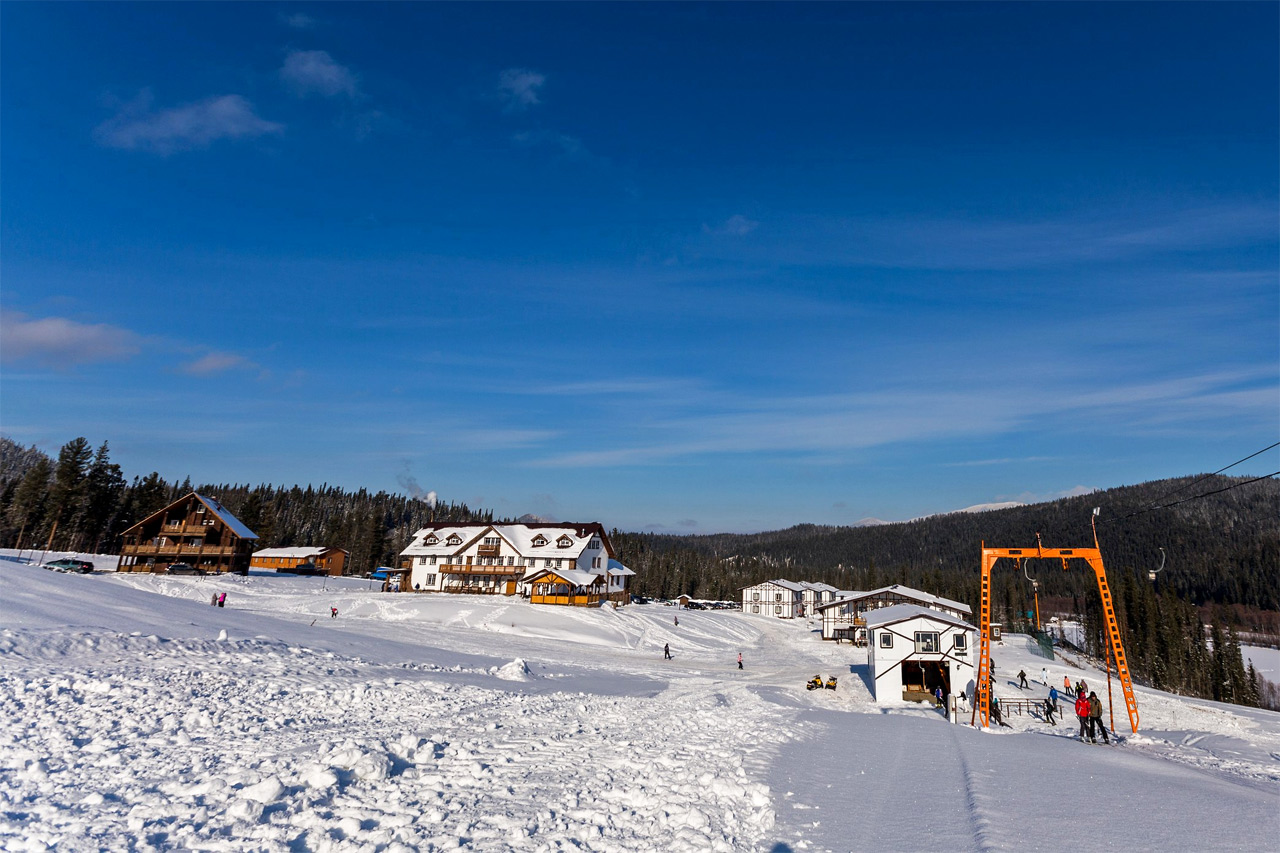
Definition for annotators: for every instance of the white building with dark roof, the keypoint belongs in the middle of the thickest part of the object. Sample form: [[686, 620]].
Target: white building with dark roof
[[843, 618], [780, 598]]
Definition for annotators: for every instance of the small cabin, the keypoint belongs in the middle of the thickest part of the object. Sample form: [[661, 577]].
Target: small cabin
[[843, 618], [914, 650], [329, 561], [196, 530]]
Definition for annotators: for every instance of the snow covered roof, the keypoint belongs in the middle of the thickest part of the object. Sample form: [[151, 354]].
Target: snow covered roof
[[902, 612], [224, 515], [843, 596], [908, 592], [290, 552], [819, 586], [617, 569], [519, 537], [577, 577]]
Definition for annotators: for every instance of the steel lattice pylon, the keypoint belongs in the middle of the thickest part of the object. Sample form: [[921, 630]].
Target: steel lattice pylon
[[1093, 556]]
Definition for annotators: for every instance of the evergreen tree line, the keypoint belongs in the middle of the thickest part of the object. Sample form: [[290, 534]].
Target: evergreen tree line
[[82, 502]]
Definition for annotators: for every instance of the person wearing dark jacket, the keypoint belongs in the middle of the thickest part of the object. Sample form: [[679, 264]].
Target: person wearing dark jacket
[[1082, 713], [1022, 679], [1095, 718]]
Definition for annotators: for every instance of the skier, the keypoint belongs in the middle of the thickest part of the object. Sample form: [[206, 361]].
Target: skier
[[1082, 713], [1022, 679], [333, 613], [739, 660], [677, 621], [222, 600], [1095, 719], [1048, 711], [666, 651]]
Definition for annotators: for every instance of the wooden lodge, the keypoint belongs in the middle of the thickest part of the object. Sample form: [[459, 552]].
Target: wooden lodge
[[194, 529], [329, 561], [567, 587]]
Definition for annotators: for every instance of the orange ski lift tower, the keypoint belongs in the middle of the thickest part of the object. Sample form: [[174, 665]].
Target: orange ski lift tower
[[1092, 556]]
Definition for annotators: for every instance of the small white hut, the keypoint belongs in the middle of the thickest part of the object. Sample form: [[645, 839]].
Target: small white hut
[[913, 650]]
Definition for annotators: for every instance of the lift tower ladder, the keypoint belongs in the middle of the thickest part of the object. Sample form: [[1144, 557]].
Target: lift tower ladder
[[1093, 556]]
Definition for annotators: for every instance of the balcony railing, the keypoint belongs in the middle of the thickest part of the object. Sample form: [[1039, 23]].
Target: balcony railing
[[453, 569]]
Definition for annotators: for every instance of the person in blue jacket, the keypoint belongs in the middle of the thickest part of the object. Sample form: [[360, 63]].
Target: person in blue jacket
[[1051, 705]]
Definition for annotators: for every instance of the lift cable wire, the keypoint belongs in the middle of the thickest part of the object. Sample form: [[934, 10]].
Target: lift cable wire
[[1195, 497], [1214, 474]]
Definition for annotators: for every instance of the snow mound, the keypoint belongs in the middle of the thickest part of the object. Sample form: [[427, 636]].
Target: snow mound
[[517, 670]]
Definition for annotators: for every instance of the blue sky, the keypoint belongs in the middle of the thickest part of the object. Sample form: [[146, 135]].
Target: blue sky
[[674, 267]]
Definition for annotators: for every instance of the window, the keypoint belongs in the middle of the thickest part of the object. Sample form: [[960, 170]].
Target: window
[[433, 561], [595, 543], [455, 539], [491, 540], [430, 540], [550, 563], [962, 642], [564, 541], [755, 608], [429, 580], [777, 608], [539, 540], [511, 561], [422, 561], [886, 640], [926, 641], [755, 596]]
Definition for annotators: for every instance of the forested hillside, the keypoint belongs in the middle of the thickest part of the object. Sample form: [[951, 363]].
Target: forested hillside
[[82, 501]]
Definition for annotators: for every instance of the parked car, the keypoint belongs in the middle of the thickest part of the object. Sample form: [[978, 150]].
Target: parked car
[[82, 567], [184, 569], [306, 569]]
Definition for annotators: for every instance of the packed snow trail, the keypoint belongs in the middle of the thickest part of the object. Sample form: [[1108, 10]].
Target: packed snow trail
[[438, 722]]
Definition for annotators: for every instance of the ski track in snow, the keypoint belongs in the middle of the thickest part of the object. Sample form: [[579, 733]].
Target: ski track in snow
[[440, 722]]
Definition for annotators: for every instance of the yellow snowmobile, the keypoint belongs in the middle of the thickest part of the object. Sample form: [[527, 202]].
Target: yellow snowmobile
[[831, 683], [814, 683]]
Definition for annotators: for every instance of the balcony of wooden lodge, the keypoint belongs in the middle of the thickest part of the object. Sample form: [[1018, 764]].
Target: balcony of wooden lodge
[[487, 550]]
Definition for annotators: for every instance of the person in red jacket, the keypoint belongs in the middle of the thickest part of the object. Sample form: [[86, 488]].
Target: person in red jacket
[[1082, 711]]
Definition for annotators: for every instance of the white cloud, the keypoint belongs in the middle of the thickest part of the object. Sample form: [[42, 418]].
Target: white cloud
[[314, 72], [518, 88], [218, 362], [62, 343], [571, 146], [139, 127], [298, 20], [735, 226]]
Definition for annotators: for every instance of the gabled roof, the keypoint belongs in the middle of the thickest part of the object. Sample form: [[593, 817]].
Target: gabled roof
[[902, 612], [576, 577], [907, 592], [819, 586], [785, 584], [518, 536], [843, 597], [237, 526]]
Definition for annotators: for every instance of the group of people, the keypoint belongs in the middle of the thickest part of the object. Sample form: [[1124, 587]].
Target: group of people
[[218, 600], [1089, 711]]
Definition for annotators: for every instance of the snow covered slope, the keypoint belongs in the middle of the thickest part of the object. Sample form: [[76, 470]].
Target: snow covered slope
[[134, 715]]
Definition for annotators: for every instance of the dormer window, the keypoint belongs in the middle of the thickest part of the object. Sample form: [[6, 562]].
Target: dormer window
[[539, 540], [564, 541], [430, 540], [455, 539]]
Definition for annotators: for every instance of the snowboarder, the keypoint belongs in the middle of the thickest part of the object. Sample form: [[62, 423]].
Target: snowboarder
[[333, 613], [1022, 679], [1095, 719], [222, 600], [1082, 713], [666, 651], [739, 660]]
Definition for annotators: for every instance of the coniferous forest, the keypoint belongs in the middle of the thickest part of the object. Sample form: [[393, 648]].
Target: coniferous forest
[[1220, 538]]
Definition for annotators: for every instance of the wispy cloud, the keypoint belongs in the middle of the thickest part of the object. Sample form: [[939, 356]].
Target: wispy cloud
[[61, 342], [845, 423], [298, 20], [568, 145], [140, 127], [735, 226], [314, 72], [218, 362], [519, 88]]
